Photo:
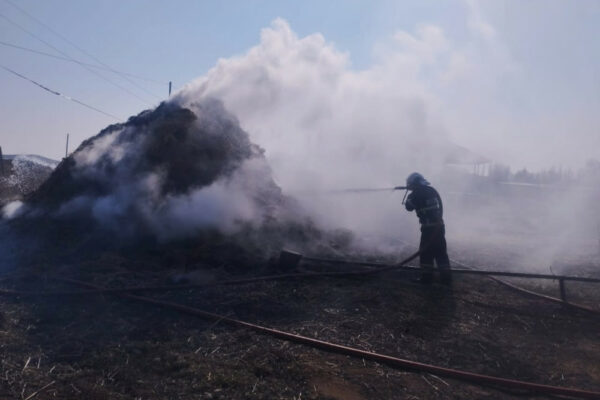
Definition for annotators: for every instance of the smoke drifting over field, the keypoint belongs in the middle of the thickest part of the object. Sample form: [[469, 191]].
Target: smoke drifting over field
[[326, 126]]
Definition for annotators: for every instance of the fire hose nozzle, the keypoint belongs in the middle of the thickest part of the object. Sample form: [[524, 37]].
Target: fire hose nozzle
[[400, 188]]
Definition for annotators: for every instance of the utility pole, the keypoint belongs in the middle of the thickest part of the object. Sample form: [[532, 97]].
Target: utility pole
[[170, 88], [1, 162], [67, 147]]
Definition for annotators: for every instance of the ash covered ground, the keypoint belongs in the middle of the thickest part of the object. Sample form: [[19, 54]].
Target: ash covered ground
[[181, 194], [102, 347]]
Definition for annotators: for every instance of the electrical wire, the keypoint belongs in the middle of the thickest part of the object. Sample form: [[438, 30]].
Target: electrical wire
[[77, 62], [79, 48], [66, 55], [54, 92]]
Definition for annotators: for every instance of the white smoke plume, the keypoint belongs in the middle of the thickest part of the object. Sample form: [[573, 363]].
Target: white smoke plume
[[299, 99], [326, 126]]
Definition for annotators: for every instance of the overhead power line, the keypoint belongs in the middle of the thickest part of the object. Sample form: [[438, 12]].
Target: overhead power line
[[75, 45], [54, 92], [78, 62], [69, 57]]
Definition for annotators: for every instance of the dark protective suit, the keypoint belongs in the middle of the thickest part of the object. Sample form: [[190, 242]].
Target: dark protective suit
[[427, 202]]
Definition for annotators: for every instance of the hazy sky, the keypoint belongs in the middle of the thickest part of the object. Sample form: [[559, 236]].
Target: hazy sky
[[516, 81]]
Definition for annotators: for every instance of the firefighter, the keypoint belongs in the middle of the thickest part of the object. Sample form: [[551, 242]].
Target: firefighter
[[426, 201]]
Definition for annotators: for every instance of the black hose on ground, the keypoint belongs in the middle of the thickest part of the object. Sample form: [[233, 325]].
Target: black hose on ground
[[388, 360], [378, 268], [350, 351], [531, 293]]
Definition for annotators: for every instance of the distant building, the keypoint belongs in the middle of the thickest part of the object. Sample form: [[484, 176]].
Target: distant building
[[467, 160]]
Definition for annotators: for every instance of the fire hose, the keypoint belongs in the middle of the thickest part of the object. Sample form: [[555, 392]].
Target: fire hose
[[332, 347], [546, 297], [345, 350], [327, 346], [350, 351], [379, 267], [491, 275]]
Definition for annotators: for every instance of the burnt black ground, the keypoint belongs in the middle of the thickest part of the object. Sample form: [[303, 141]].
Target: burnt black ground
[[101, 347]]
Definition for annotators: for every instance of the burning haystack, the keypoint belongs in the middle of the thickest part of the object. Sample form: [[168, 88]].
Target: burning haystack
[[168, 175]]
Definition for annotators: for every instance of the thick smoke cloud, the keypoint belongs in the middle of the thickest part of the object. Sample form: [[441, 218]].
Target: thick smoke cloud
[[294, 94], [327, 126]]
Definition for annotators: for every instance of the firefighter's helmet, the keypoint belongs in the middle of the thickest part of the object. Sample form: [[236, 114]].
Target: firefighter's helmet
[[415, 179]]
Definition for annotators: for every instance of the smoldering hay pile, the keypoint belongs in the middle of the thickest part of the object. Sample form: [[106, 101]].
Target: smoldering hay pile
[[169, 175], [166, 172]]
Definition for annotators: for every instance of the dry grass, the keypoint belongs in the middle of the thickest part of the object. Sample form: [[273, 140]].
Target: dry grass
[[104, 347]]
